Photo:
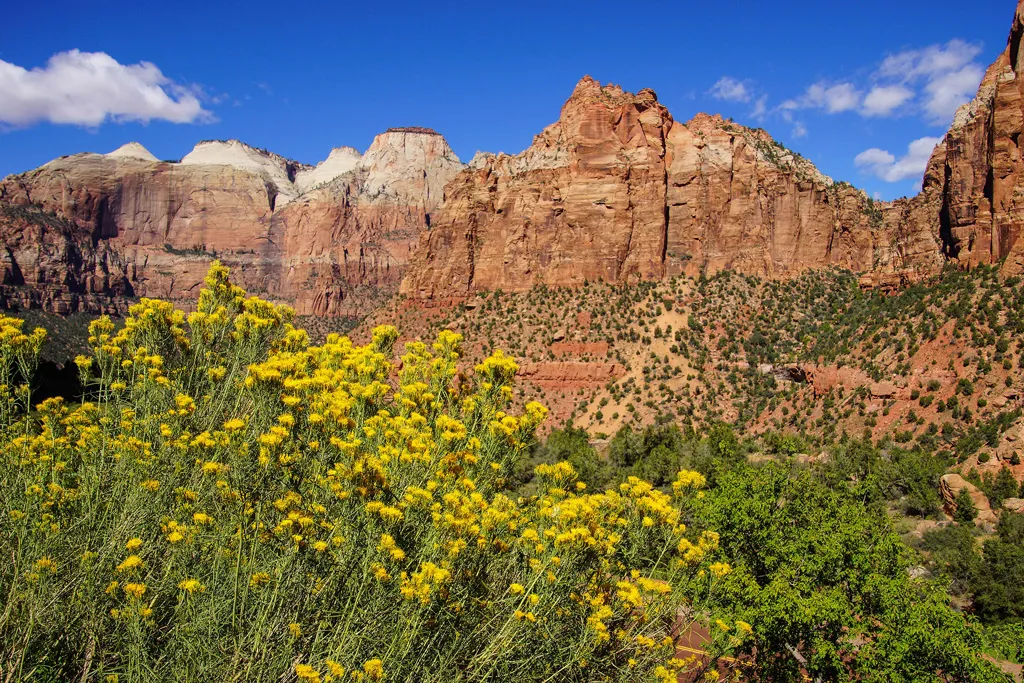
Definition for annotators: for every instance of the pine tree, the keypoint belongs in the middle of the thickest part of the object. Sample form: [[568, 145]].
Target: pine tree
[[1004, 486], [965, 509]]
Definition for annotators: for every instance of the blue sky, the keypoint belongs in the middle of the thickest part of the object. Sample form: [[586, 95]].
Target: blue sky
[[862, 89]]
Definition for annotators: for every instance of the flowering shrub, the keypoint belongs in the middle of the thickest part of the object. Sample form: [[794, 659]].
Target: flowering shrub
[[235, 503]]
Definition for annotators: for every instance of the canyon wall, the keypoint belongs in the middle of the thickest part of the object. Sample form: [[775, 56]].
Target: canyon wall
[[331, 239], [617, 190], [977, 173]]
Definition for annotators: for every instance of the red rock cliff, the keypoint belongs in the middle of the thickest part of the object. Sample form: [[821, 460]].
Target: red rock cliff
[[331, 239], [976, 176], [617, 190]]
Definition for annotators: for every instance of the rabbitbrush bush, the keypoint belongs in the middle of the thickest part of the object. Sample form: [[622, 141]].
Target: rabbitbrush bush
[[232, 503]]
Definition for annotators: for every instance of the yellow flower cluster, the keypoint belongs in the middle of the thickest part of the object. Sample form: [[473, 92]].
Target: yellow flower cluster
[[232, 483], [19, 356]]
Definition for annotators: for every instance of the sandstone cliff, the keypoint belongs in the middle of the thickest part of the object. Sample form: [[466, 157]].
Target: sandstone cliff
[[618, 190], [331, 239], [615, 190], [975, 178], [53, 264]]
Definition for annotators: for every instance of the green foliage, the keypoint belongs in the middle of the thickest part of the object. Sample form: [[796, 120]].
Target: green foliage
[[1001, 487], [990, 576], [1006, 641], [723, 442], [966, 510], [999, 587], [784, 444], [654, 453], [823, 579]]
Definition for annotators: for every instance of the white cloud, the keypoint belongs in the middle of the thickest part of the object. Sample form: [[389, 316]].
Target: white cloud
[[946, 92], [934, 59], [884, 165], [931, 81], [88, 88], [949, 72], [882, 100], [760, 107], [730, 89], [799, 130], [831, 98]]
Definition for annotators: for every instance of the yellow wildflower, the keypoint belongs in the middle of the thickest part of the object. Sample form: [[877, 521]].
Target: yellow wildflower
[[304, 672], [130, 563], [374, 669], [135, 590], [191, 586], [45, 564]]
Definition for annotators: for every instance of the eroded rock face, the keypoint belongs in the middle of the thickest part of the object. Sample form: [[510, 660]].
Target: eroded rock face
[[974, 187], [617, 190], [331, 240], [951, 484], [585, 201], [52, 263], [570, 374]]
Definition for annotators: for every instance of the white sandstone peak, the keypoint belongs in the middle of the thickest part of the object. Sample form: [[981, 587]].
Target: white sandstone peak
[[237, 154], [340, 161], [410, 162], [131, 150], [480, 159]]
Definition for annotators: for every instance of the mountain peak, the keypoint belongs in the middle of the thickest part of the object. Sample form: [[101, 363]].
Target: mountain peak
[[421, 130], [131, 150]]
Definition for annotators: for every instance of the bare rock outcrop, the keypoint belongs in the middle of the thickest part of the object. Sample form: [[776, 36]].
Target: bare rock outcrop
[[570, 374], [51, 263], [616, 190], [331, 240], [973, 190], [952, 484]]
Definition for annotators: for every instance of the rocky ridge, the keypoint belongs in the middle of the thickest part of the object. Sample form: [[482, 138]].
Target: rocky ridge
[[977, 171], [616, 190], [331, 239]]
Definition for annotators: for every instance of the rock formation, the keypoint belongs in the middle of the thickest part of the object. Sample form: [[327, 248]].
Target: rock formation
[[617, 190], [52, 263], [975, 179], [950, 486], [331, 239], [570, 374]]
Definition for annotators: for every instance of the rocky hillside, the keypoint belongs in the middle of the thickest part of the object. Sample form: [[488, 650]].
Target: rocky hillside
[[331, 239], [815, 357]]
